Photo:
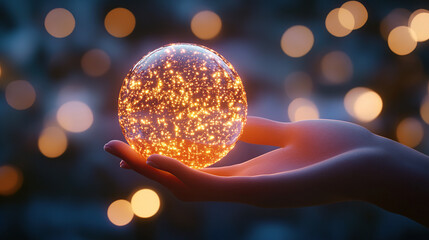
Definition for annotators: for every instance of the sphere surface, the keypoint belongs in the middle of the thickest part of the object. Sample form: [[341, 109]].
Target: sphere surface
[[183, 101]]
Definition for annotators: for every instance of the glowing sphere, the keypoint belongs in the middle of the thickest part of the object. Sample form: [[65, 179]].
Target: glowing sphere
[[183, 101]]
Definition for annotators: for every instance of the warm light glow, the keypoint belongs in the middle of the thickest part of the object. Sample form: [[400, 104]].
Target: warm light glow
[[206, 25], [302, 109], [145, 203], [184, 101], [359, 12], [410, 132], [402, 40], [424, 110], [298, 84], [297, 41], [52, 142], [10, 180], [120, 212], [95, 62], [59, 22], [363, 104], [335, 20], [75, 116], [120, 22], [397, 17], [420, 25], [336, 67], [20, 94]]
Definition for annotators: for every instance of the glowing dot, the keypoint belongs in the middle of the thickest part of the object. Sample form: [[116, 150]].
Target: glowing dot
[[297, 41], [363, 104], [397, 17], [335, 20], [120, 212], [59, 22], [206, 25], [120, 22], [402, 40], [10, 180], [420, 25], [183, 101], [145, 203], [359, 12], [75, 116], [336, 67], [410, 132], [302, 109], [298, 84], [95, 62], [424, 110], [52, 142], [20, 94]]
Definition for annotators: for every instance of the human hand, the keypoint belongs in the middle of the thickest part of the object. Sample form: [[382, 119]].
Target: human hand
[[317, 162]]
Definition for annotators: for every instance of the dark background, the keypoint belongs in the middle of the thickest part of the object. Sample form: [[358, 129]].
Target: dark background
[[67, 197]]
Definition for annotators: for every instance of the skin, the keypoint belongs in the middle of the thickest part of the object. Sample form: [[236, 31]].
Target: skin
[[317, 162]]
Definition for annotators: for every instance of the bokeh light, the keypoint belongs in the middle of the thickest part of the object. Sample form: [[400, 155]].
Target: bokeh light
[[206, 25], [20, 94], [297, 41], [120, 22], [420, 25], [145, 203], [363, 104], [410, 132], [10, 180], [298, 84], [302, 109], [336, 20], [75, 116], [52, 142], [120, 212], [59, 22], [95, 62], [336, 67], [397, 17], [424, 110], [402, 40], [359, 12]]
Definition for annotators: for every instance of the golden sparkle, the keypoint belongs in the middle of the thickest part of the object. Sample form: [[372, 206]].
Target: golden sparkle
[[183, 101]]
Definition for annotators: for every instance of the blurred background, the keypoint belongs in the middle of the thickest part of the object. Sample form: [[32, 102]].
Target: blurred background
[[62, 64]]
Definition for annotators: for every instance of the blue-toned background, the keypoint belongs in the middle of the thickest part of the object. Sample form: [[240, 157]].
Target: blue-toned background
[[67, 196]]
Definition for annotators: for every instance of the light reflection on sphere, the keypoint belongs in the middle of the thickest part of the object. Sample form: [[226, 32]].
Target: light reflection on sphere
[[183, 101]]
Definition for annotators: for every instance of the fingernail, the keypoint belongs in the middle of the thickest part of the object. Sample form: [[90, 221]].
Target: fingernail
[[107, 148], [152, 164], [122, 164]]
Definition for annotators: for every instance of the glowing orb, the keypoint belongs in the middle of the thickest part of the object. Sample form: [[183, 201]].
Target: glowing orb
[[183, 101]]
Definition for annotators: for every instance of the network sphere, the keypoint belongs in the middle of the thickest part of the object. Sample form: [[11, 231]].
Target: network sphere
[[183, 101]]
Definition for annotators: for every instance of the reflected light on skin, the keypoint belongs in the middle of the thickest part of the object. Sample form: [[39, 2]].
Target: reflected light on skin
[[419, 23], [120, 212], [302, 109], [297, 41], [402, 40], [359, 12], [120, 22], [334, 22], [298, 84], [59, 23], [410, 132], [424, 110], [145, 203], [75, 116], [20, 94], [206, 25], [363, 104], [52, 142], [10, 180], [336, 67], [397, 17], [95, 62]]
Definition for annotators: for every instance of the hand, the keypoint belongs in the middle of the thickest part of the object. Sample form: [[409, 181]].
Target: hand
[[317, 162]]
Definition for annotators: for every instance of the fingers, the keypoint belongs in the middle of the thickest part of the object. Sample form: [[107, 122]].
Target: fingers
[[265, 132]]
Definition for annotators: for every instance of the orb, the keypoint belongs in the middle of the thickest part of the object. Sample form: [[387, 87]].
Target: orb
[[183, 101]]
